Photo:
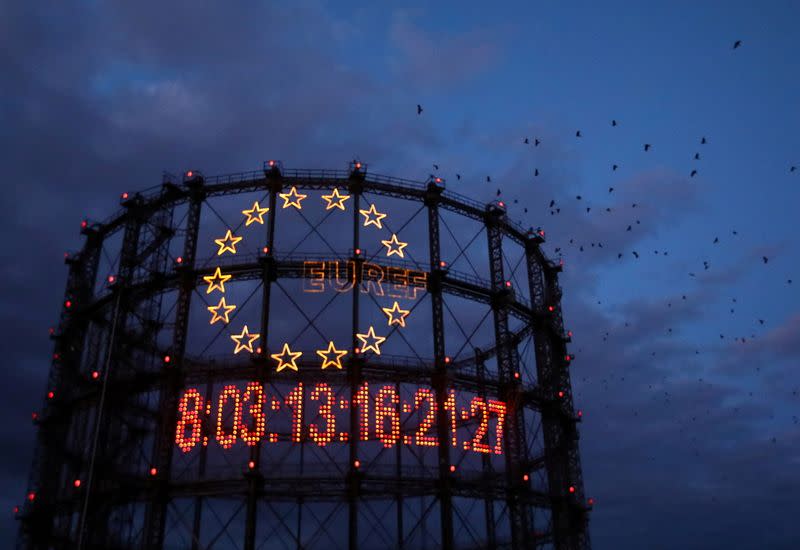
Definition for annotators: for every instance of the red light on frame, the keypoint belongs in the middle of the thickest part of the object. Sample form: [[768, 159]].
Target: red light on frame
[[153, 471], [447, 360], [590, 502], [179, 260], [358, 252], [580, 414], [442, 264], [50, 395], [516, 375], [541, 232], [111, 279], [501, 204], [550, 308], [358, 166], [571, 489], [16, 509], [95, 375], [68, 304], [125, 196], [525, 477], [189, 174], [31, 496], [508, 284], [34, 416], [77, 483], [561, 394], [167, 359], [452, 468], [251, 464], [265, 250], [569, 334], [357, 464], [84, 223]]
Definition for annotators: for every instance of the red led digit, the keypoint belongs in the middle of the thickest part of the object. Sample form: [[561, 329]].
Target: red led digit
[[189, 418], [362, 400], [384, 410], [425, 394], [229, 392], [450, 406], [258, 423], [499, 408], [478, 406], [320, 437], [295, 402]]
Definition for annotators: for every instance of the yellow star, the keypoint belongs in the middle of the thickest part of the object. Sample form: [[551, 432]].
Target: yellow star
[[336, 361], [255, 214], [400, 246], [338, 202], [376, 221], [374, 341], [215, 310], [282, 364], [239, 337], [217, 276], [292, 198], [401, 317], [230, 247]]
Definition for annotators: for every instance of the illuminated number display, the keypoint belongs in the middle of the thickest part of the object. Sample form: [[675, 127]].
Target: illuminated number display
[[246, 416]]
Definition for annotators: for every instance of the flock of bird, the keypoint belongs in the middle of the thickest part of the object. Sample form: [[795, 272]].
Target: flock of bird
[[658, 389]]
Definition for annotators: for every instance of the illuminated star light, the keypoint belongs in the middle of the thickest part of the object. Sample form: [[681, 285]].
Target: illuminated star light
[[226, 310], [376, 221], [292, 198], [400, 319], [282, 363], [217, 276], [255, 214], [375, 341], [336, 361], [239, 337], [231, 247], [335, 200], [400, 246]]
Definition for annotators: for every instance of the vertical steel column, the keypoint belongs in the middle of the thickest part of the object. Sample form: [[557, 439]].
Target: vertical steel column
[[93, 523], [569, 517], [356, 187], [156, 513], [55, 419], [439, 374], [255, 477], [507, 367]]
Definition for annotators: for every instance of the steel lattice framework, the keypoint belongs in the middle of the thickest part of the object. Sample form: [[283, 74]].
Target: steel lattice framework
[[120, 364]]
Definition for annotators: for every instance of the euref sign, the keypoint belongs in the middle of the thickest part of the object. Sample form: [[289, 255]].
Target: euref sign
[[241, 415]]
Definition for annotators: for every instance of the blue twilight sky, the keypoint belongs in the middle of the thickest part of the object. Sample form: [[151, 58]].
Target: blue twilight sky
[[690, 434]]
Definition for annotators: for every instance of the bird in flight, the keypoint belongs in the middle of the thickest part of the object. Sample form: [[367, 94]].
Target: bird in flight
[[435, 166], [536, 142], [578, 133], [536, 172], [693, 174], [458, 176], [793, 168], [614, 167], [703, 140], [647, 147], [613, 123], [737, 44], [419, 109], [697, 156]]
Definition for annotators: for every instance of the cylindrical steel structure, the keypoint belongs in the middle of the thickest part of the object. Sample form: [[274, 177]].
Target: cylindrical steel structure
[[213, 384]]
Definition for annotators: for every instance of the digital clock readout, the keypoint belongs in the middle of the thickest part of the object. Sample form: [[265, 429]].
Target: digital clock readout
[[244, 415]]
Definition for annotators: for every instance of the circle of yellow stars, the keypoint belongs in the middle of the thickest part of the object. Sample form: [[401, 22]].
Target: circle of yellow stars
[[287, 359]]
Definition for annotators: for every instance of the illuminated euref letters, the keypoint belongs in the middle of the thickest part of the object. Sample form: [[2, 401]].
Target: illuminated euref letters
[[226, 309], [335, 200], [255, 214], [227, 247], [250, 339], [292, 198], [376, 220], [391, 281], [216, 281]]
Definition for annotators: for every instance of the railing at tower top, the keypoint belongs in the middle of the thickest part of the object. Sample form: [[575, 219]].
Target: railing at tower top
[[222, 185]]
